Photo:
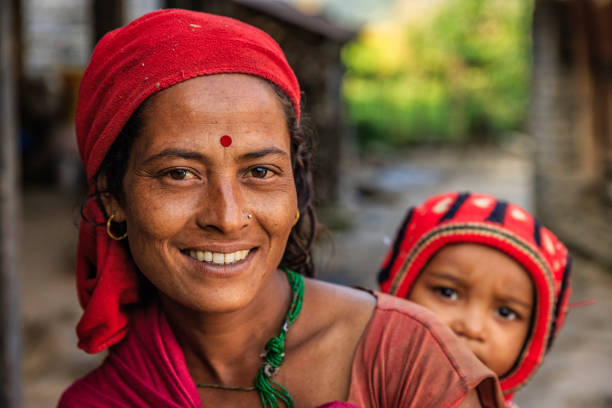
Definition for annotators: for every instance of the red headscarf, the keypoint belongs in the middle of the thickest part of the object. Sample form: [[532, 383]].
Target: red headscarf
[[478, 218], [128, 65]]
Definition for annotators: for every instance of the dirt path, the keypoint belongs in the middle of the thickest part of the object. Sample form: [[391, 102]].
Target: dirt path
[[577, 371]]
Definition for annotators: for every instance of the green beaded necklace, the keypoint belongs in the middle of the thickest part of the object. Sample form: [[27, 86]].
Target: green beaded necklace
[[269, 390]]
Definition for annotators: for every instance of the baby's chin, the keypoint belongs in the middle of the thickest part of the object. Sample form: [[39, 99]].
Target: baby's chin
[[499, 373], [497, 369], [483, 360]]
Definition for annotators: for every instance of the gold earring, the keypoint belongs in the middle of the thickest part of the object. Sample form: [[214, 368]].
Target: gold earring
[[297, 217], [109, 232]]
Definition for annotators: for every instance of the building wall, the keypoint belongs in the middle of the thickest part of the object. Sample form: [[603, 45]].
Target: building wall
[[571, 122]]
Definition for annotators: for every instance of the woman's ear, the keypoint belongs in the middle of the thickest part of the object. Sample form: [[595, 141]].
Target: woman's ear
[[109, 201]]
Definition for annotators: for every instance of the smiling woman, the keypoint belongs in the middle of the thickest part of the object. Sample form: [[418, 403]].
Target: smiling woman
[[198, 233]]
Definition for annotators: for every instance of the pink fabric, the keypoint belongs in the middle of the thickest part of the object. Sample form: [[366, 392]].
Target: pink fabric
[[128, 65], [147, 369]]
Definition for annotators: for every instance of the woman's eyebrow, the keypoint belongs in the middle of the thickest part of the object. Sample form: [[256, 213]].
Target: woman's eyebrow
[[264, 152], [184, 154], [189, 154]]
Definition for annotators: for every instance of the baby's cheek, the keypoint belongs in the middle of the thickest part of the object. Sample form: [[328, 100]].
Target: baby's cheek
[[509, 344]]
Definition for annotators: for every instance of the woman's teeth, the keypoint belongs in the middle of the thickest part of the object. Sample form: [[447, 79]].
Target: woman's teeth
[[219, 258]]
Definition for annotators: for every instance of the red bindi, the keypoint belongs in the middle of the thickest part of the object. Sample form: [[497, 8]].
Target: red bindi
[[226, 141]]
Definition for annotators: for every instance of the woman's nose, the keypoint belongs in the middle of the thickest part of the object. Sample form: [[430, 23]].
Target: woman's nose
[[222, 206]]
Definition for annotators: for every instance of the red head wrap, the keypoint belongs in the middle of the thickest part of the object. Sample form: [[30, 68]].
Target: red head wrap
[[477, 218], [128, 65]]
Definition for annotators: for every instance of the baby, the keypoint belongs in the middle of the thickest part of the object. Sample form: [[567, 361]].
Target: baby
[[491, 272]]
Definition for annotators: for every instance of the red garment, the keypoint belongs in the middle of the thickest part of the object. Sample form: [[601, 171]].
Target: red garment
[[405, 358], [146, 369], [128, 65], [477, 218]]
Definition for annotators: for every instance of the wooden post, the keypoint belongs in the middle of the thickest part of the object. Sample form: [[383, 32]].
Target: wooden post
[[10, 338]]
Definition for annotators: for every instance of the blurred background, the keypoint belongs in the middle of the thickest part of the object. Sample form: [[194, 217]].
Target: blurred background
[[409, 98]]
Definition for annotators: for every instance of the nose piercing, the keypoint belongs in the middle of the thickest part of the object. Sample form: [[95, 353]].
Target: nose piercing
[[249, 216]]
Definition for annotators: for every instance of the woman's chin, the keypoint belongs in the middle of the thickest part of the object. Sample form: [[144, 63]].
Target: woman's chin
[[215, 295], [211, 301]]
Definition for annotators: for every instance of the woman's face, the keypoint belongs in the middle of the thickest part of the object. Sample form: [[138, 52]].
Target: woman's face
[[208, 223], [484, 296]]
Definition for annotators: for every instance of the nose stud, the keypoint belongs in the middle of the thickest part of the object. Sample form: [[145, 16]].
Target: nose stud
[[249, 216]]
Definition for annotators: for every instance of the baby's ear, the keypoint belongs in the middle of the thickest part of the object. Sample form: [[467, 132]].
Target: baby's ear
[[110, 202]]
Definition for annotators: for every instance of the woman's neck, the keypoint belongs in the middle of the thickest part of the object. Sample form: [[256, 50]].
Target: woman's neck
[[225, 348]]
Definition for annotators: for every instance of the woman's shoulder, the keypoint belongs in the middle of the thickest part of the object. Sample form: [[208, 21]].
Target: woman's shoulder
[[363, 311], [361, 308], [339, 311], [339, 299]]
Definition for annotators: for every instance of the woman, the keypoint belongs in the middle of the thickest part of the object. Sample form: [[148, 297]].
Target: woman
[[189, 128]]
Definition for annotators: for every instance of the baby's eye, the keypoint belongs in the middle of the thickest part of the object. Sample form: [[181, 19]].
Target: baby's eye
[[447, 292], [179, 174], [261, 172], [507, 313]]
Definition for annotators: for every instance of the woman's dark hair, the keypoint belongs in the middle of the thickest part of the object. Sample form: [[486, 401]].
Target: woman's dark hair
[[298, 252]]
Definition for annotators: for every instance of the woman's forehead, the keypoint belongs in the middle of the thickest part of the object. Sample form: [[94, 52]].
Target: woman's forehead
[[220, 94], [197, 114]]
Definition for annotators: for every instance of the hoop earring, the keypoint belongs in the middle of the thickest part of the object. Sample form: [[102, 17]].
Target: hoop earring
[[109, 232], [297, 217]]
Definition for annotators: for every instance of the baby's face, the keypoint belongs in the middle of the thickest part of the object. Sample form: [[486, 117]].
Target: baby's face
[[484, 296]]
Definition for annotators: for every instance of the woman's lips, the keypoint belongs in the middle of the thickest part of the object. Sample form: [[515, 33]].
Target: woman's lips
[[218, 258]]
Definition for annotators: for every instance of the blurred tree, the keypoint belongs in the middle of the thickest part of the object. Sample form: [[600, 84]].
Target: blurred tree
[[460, 75]]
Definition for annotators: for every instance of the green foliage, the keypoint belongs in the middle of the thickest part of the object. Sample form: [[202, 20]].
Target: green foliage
[[461, 76]]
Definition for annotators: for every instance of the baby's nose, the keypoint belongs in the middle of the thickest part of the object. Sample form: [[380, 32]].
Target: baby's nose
[[470, 325]]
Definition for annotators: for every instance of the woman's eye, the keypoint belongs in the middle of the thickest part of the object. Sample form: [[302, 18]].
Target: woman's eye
[[507, 313], [179, 174], [261, 172], [447, 293]]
